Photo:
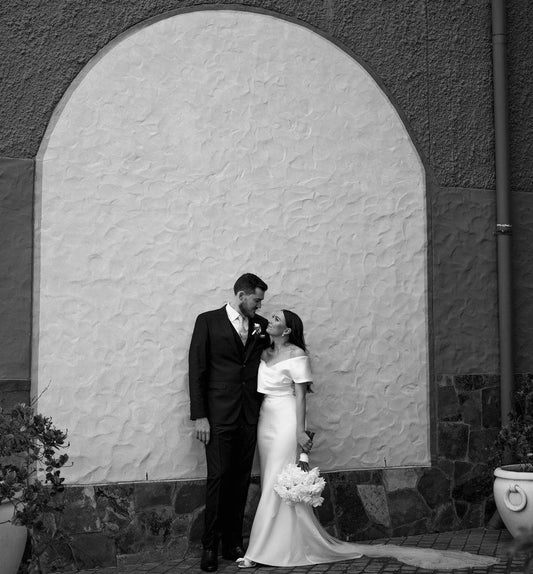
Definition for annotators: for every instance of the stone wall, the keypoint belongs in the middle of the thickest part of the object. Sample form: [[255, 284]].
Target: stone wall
[[143, 521]]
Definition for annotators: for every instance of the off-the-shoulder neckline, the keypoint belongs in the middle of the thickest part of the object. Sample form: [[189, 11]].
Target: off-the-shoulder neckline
[[283, 361]]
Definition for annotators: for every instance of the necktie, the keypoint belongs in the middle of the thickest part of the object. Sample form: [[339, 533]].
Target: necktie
[[243, 332]]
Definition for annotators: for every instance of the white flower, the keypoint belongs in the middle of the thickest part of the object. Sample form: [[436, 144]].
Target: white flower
[[257, 329], [295, 485]]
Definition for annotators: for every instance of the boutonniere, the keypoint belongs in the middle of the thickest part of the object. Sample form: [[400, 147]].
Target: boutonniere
[[257, 330]]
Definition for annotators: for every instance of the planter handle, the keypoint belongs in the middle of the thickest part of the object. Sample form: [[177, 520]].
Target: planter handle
[[515, 489]]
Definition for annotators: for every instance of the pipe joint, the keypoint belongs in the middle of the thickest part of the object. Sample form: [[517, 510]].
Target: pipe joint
[[504, 229]]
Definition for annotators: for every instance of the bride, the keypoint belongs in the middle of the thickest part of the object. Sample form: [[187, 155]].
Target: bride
[[284, 535]]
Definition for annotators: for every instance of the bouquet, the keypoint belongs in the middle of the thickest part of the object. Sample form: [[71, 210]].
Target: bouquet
[[295, 485]]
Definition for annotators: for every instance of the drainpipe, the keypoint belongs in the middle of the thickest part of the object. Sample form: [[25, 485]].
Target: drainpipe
[[503, 207], [503, 218]]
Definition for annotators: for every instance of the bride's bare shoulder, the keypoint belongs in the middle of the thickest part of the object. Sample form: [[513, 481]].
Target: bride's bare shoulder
[[295, 351]]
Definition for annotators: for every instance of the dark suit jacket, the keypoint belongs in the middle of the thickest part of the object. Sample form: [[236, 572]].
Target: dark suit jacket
[[223, 371]]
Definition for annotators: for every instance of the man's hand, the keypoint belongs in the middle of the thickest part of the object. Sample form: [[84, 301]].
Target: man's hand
[[203, 430]]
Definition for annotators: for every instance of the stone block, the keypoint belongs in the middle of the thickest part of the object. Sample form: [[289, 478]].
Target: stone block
[[461, 508], [349, 509], [400, 478], [445, 519], [181, 526], [417, 527], [473, 518], [126, 538], [93, 550], [447, 466], [151, 530], [470, 408], [466, 471], [447, 404], [434, 487], [490, 408], [481, 444], [152, 494], [444, 380], [462, 471], [452, 440], [374, 500], [80, 513], [254, 494], [155, 523], [475, 489], [326, 512], [407, 507], [189, 497], [475, 382], [197, 527], [114, 504], [13, 392], [356, 477]]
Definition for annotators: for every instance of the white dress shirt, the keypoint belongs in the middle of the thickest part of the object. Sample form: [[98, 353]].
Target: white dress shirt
[[239, 322]]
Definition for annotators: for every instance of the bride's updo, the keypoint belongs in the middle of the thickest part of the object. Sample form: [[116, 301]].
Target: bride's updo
[[294, 323]]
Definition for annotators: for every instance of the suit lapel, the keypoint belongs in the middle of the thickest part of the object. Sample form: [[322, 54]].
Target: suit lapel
[[251, 342]]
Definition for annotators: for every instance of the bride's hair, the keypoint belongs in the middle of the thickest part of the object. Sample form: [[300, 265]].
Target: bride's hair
[[296, 336]]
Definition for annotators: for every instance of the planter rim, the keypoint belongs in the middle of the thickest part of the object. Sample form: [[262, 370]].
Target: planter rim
[[513, 471]]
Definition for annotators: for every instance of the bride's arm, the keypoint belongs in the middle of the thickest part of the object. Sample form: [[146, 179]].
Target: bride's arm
[[302, 437]]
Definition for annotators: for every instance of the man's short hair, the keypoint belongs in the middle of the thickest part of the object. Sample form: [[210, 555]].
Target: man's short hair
[[249, 283]]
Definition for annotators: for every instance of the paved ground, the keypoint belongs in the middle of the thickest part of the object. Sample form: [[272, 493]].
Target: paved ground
[[477, 541]]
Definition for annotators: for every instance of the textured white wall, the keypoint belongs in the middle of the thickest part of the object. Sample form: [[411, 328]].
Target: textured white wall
[[196, 148]]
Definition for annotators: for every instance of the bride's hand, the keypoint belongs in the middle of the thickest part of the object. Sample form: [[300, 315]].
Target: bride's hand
[[305, 442]]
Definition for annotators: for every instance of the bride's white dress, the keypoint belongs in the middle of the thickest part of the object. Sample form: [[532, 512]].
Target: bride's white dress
[[284, 535]]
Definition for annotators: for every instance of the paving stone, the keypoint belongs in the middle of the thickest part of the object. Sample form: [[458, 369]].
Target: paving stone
[[492, 542]]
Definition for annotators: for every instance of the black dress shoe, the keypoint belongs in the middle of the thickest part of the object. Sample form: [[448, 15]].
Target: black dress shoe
[[232, 552], [209, 562]]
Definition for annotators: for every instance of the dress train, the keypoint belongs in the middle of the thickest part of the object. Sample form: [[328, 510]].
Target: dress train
[[289, 536]]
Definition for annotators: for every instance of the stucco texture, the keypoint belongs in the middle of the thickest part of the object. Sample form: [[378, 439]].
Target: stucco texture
[[16, 209], [196, 148]]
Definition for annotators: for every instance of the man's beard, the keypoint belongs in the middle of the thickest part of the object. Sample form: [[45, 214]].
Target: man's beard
[[245, 312]]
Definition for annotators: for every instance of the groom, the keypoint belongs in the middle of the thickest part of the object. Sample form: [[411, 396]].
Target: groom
[[224, 357]]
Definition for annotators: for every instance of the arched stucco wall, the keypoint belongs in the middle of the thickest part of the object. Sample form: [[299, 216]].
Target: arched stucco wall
[[195, 148]]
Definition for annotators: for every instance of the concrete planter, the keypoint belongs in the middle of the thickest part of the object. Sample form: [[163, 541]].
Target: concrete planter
[[12, 541], [513, 494]]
